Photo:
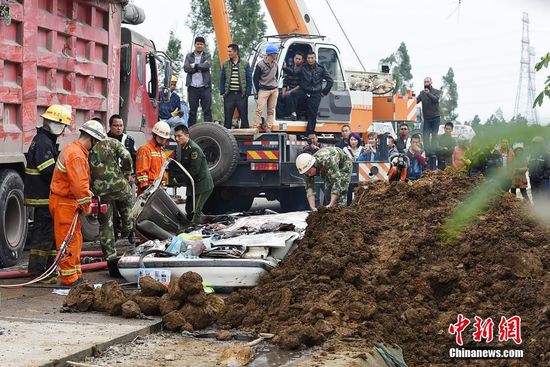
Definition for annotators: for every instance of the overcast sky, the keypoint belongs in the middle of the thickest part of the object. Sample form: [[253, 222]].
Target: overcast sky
[[480, 40]]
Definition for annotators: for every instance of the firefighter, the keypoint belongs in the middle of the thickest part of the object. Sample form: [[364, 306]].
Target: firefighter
[[111, 173], [191, 156], [38, 177], [70, 193], [151, 157], [334, 166]]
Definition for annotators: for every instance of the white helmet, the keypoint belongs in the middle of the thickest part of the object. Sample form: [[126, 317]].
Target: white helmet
[[95, 129], [304, 162], [162, 129]]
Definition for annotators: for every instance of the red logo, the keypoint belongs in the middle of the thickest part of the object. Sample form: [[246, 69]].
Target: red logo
[[508, 329]]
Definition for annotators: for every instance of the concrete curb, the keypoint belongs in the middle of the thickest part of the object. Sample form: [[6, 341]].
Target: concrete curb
[[88, 352]]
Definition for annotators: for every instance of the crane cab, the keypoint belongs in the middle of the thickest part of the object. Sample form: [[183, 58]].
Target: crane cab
[[337, 108]]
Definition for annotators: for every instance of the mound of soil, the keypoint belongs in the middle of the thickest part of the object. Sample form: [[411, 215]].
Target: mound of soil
[[380, 271]]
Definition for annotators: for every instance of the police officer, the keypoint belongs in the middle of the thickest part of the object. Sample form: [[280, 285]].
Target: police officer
[[111, 173], [334, 167], [41, 159], [191, 156]]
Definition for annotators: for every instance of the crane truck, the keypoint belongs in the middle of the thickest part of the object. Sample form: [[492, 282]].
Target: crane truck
[[244, 163]]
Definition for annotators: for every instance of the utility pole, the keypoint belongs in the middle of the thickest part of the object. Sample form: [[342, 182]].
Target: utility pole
[[526, 91]]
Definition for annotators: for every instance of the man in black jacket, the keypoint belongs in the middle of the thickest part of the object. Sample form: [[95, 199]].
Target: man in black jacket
[[539, 170], [116, 131], [41, 159], [430, 112], [311, 89], [199, 86]]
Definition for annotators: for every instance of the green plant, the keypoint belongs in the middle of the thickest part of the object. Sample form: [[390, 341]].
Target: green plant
[[543, 63], [5, 14]]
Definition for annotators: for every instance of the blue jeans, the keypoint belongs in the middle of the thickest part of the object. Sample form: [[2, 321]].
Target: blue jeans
[[429, 132]]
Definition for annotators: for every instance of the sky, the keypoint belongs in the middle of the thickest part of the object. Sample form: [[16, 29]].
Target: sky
[[479, 39]]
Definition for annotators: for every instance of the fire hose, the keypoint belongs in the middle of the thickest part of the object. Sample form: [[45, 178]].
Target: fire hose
[[62, 249]]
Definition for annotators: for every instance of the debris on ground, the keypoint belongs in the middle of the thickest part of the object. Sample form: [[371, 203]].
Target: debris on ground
[[380, 271], [235, 355], [184, 306]]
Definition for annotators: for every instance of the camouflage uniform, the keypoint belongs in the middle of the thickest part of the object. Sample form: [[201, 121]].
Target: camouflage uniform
[[335, 168], [110, 164]]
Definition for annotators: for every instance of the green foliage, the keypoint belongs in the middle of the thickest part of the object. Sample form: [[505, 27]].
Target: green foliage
[[247, 25], [543, 63], [173, 50], [482, 198], [400, 65], [449, 99]]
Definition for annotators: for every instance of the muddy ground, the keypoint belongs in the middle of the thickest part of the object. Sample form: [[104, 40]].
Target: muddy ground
[[380, 270]]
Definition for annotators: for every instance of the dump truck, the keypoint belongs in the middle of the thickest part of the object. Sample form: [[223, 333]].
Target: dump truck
[[73, 53]]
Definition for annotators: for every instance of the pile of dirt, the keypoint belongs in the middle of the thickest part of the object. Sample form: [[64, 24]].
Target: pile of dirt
[[184, 305], [380, 271]]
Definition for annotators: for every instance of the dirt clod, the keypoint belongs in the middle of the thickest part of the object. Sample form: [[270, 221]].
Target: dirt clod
[[80, 298], [167, 305], [176, 321], [148, 305], [381, 270], [130, 309], [190, 283], [235, 356], [151, 287]]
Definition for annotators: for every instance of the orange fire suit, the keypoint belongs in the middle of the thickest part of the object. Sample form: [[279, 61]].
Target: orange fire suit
[[149, 161], [69, 191]]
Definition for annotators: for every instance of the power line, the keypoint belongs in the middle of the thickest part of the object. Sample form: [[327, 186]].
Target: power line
[[345, 35]]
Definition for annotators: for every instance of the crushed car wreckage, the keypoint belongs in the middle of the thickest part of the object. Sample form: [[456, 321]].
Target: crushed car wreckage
[[227, 251]]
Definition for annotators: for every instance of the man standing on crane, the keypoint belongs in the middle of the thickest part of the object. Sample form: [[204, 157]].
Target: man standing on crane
[[70, 192], [334, 167], [311, 89], [38, 177], [198, 82], [265, 81], [151, 156], [235, 87]]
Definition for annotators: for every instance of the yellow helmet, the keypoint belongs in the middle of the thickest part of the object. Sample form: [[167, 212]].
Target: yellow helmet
[[58, 113], [174, 78]]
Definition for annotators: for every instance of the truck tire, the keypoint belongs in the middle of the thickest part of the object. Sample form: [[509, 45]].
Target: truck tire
[[224, 200], [220, 148], [13, 218], [90, 228]]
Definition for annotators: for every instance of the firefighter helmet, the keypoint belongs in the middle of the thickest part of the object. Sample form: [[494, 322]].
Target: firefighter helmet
[[173, 79], [304, 162], [162, 129], [58, 113], [95, 129]]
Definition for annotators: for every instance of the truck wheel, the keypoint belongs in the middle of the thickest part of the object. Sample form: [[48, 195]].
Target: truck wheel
[[13, 218], [224, 201], [293, 199], [90, 228], [220, 148]]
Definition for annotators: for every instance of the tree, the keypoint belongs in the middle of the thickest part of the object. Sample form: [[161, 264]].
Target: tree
[[543, 63], [173, 50], [247, 25], [449, 98], [400, 65], [496, 118]]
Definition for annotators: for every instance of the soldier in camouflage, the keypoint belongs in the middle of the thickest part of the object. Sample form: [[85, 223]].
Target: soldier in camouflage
[[111, 174], [334, 167]]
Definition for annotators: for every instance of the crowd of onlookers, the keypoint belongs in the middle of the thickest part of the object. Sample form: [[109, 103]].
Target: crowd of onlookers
[[519, 165]]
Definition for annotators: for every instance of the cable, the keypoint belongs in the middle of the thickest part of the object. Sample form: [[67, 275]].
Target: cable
[[60, 254], [345, 35]]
